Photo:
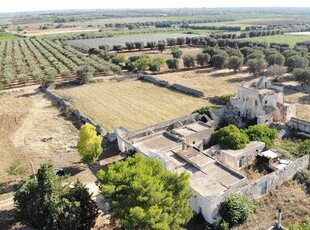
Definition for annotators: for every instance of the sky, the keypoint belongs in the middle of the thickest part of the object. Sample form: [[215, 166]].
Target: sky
[[35, 5]]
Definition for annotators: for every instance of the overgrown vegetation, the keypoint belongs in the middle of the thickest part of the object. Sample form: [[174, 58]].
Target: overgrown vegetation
[[262, 133], [230, 137], [237, 209]]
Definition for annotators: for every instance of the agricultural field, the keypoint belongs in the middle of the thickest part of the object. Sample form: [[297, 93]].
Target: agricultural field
[[86, 44], [221, 82], [132, 104], [8, 37], [25, 61], [286, 38]]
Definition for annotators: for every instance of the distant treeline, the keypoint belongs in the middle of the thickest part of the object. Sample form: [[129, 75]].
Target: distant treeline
[[227, 28]]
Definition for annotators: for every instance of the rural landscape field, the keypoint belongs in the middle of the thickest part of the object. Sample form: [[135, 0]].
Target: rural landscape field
[[130, 116]]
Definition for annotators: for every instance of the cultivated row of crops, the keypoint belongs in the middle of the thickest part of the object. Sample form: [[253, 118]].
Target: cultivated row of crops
[[86, 44], [25, 60]]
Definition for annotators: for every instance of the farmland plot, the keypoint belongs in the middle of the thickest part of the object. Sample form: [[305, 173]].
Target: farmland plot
[[86, 44], [132, 104], [25, 60]]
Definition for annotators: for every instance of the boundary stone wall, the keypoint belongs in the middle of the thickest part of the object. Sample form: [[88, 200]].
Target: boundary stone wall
[[177, 87], [298, 124], [66, 106]]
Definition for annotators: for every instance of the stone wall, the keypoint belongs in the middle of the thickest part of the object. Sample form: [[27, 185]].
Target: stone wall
[[301, 125], [156, 81], [276, 178], [187, 90], [67, 107], [177, 87]]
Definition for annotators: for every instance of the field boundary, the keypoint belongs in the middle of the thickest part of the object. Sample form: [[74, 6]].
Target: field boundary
[[67, 107], [176, 87]]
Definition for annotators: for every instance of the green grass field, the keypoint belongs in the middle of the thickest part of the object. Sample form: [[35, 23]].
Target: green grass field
[[8, 37], [286, 38]]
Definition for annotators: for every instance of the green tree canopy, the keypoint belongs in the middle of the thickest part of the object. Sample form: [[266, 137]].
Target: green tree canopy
[[173, 63], [262, 133], [176, 52], [256, 65], [189, 61], [219, 60], [85, 74], [230, 137], [302, 75], [202, 59], [236, 209], [154, 66], [234, 63], [275, 59], [142, 63], [44, 203], [144, 195], [89, 144]]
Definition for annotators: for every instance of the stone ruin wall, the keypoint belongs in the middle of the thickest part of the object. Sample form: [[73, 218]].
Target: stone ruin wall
[[177, 87], [298, 124]]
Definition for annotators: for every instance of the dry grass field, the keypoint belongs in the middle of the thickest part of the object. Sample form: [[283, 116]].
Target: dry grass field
[[211, 82], [219, 82], [132, 104]]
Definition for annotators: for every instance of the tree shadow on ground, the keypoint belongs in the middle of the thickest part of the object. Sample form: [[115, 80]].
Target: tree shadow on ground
[[35, 93], [227, 74], [73, 170], [7, 219], [305, 100], [202, 71], [196, 223], [245, 79]]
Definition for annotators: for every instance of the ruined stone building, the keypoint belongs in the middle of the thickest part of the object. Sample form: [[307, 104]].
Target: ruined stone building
[[262, 102]]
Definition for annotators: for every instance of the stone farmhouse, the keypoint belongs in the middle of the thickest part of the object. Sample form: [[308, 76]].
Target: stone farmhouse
[[262, 102], [182, 145]]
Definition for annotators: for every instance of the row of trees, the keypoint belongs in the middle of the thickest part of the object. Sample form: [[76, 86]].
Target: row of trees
[[43, 60]]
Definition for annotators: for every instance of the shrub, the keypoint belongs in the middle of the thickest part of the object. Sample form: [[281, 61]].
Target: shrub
[[1, 86], [17, 168], [262, 133], [204, 110], [230, 137], [221, 100], [304, 148], [236, 209]]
